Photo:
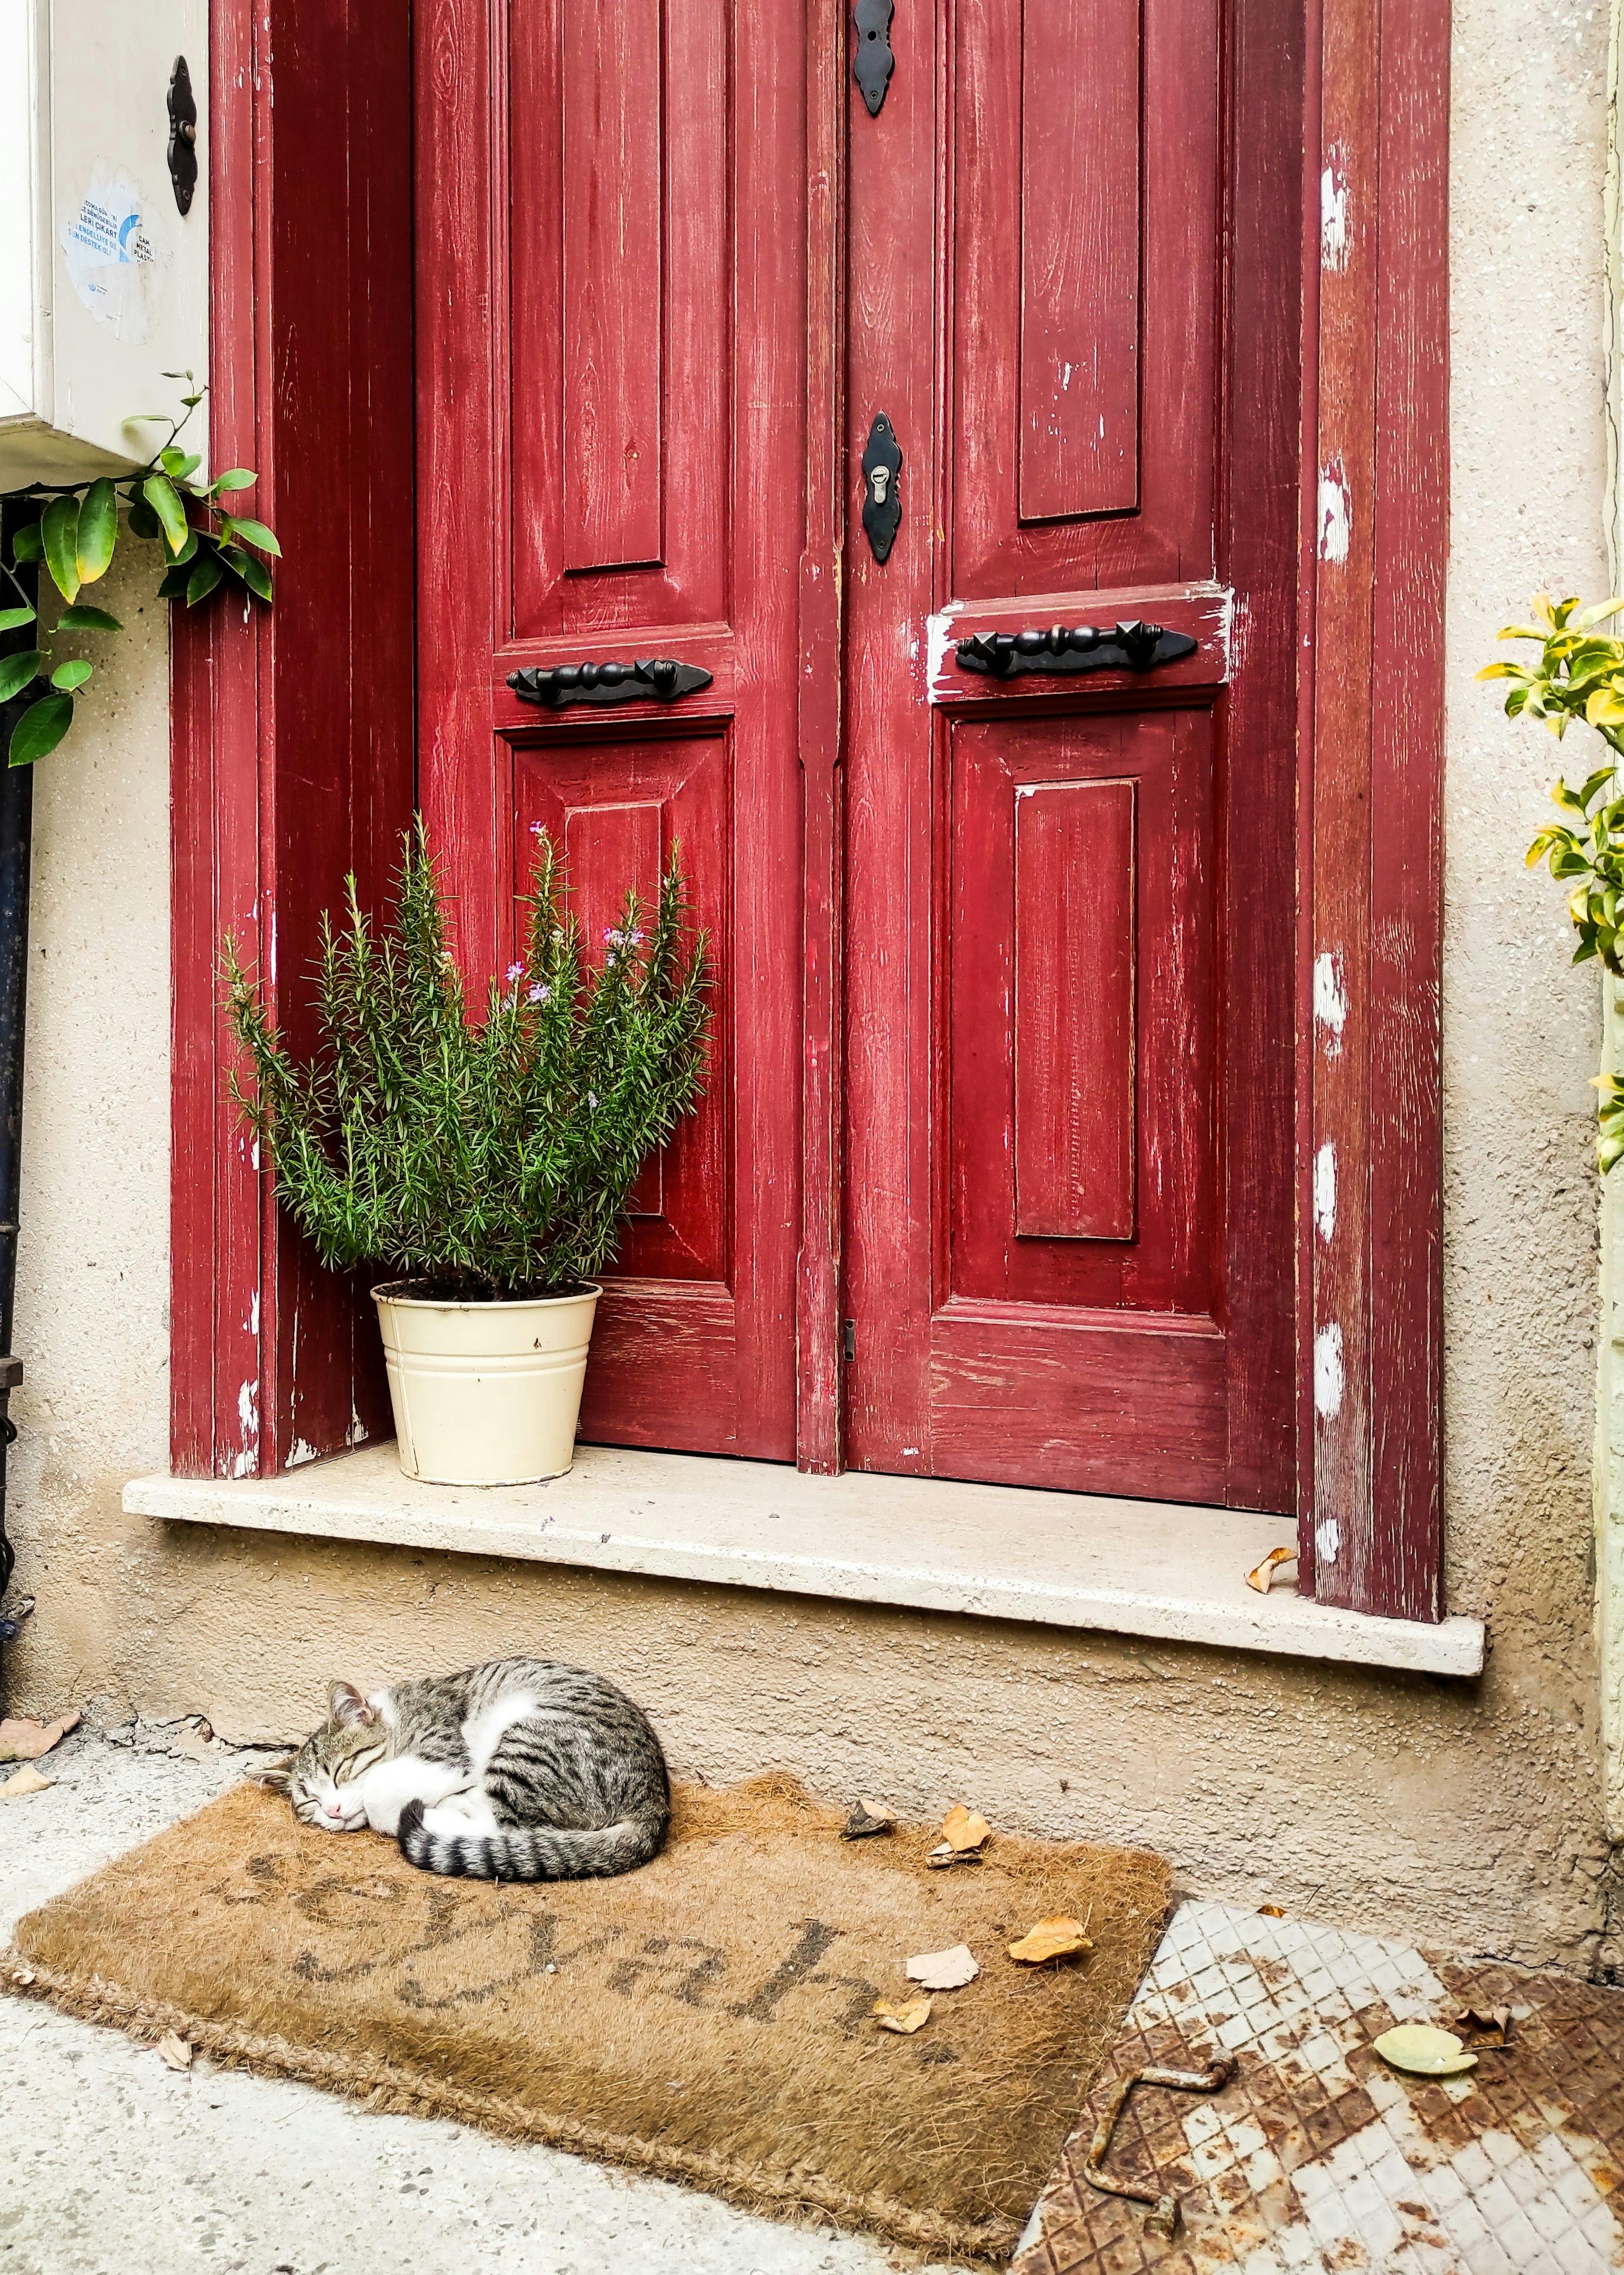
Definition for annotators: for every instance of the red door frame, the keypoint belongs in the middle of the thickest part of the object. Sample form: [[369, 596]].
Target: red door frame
[[292, 738]]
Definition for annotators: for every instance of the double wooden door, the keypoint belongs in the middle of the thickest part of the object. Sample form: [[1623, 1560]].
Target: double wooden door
[[1063, 1242]]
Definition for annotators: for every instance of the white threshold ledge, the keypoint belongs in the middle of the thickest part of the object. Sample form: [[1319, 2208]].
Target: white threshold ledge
[[1138, 1568]]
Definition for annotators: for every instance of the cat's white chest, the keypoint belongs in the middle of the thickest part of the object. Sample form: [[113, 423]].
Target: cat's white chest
[[388, 1786]]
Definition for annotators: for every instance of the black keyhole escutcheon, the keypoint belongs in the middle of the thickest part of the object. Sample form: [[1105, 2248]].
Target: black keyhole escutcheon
[[883, 506]]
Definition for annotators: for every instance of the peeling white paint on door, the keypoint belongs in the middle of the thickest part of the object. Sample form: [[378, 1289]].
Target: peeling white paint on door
[[1328, 1378], [1330, 1000], [1333, 217], [1335, 514], [248, 1418], [1324, 1191]]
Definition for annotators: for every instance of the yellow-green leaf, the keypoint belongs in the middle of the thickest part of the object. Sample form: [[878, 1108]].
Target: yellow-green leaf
[[98, 531], [161, 495], [59, 534]]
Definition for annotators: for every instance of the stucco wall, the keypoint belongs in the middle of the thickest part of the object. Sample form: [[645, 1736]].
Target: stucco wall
[[1469, 1815], [92, 1321]]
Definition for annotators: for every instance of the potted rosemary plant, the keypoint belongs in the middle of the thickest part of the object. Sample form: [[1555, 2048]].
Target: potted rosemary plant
[[487, 1165]]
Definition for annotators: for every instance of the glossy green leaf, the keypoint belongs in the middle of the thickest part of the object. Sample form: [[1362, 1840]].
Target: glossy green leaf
[[235, 477], [180, 465], [82, 618], [59, 533], [71, 674], [28, 545], [161, 495], [144, 522], [16, 671], [12, 619], [249, 571], [98, 531], [174, 585], [204, 578], [39, 730], [255, 534]]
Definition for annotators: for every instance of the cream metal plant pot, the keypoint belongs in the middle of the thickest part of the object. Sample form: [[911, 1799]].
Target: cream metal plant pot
[[485, 1393]]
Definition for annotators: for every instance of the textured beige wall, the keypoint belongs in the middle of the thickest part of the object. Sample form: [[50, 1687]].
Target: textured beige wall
[[92, 1279], [1469, 1815]]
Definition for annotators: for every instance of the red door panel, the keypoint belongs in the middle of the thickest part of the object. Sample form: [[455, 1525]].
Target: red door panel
[[1080, 923], [1079, 290], [610, 329], [1070, 932]]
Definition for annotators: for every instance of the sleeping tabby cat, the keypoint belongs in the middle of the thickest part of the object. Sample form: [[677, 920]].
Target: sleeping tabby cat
[[520, 1770]]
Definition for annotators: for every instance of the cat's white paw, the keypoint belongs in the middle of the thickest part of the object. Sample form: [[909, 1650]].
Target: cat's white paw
[[464, 1815]]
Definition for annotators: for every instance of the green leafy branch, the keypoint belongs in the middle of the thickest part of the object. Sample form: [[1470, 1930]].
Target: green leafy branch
[[206, 549], [1578, 674]]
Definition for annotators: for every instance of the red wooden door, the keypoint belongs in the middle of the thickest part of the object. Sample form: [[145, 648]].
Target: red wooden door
[[1069, 899], [610, 318], [1068, 913]]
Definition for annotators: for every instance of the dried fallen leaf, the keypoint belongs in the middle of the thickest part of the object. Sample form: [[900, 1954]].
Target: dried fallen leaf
[[1261, 1575], [1488, 2027], [1051, 1938], [24, 1781], [1270, 1911], [868, 1818], [907, 2016], [175, 2051], [943, 1970], [964, 1835], [1425, 2052], [23, 1741], [23, 1977]]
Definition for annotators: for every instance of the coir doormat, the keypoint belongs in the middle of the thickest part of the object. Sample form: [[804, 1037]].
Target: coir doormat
[[706, 2019]]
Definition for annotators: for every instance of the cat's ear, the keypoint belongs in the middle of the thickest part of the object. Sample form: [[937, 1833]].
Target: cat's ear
[[275, 1777], [346, 1708]]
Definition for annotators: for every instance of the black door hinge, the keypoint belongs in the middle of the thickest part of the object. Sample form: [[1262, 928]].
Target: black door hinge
[[848, 1339], [873, 62]]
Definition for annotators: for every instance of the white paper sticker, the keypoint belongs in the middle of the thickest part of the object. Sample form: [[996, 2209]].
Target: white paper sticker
[[113, 264]]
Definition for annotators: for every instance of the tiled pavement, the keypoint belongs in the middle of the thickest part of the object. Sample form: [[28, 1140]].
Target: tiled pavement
[[1316, 2156]]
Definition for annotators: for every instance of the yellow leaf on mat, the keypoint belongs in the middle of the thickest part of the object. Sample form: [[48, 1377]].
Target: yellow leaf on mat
[[24, 1781], [1261, 1575], [907, 2016], [1051, 1938], [175, 2051], [964, 1836]]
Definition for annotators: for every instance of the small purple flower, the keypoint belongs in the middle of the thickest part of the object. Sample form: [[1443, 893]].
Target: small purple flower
[[538, 994], [515, 973], [537, 828]]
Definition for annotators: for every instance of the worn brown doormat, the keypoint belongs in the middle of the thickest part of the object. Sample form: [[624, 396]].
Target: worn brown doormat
[[706, 2019]]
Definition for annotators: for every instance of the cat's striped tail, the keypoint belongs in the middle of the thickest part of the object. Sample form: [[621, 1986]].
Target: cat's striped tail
[[531, 1852]]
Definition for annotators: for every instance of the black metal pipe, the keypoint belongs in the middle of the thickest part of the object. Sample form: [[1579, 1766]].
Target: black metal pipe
[[15, 828]]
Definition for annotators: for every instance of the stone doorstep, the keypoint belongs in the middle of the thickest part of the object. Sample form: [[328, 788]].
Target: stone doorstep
[[1079, 1560]]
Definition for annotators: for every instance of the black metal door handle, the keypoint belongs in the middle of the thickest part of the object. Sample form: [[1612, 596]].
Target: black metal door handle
[[658, 677], [1130, 646]]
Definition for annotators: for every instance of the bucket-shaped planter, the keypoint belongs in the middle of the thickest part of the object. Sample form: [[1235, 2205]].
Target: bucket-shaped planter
[[485, 1393]]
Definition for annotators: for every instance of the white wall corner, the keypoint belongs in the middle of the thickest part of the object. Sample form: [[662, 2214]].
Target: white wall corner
[[1610, 1343]]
